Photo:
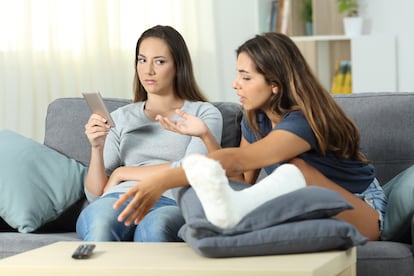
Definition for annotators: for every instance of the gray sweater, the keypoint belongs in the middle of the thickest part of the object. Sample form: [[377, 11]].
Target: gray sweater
[[138, 141]]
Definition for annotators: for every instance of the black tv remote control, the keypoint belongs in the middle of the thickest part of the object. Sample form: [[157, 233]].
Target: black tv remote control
[[83, 251]]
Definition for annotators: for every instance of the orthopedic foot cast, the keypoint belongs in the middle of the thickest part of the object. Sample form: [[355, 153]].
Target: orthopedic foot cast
[[225, 207]]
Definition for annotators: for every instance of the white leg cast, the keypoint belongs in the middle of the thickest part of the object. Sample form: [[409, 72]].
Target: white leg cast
[[211, 185], [285, 179], [225, 207]]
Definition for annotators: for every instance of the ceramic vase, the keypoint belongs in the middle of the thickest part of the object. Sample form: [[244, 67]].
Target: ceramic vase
[[353, 26]]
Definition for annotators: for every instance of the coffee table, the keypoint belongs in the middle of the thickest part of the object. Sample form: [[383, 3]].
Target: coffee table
[[128, 258]]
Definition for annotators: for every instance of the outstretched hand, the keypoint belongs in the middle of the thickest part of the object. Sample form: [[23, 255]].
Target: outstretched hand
[[191, 125], [144, 196]]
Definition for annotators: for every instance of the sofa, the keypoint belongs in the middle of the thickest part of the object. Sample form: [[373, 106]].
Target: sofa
[[385, 120]]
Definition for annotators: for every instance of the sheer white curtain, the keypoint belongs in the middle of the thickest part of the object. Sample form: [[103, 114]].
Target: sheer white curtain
[[60, 48]]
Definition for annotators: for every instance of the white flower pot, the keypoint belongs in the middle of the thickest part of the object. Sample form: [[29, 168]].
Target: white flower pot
[[353, 26]]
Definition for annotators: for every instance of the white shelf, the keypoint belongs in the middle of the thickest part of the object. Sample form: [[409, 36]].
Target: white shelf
[[373, 57], [320, 38]]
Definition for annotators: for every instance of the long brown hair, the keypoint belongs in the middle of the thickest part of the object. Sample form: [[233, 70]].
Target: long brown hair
[[281, 63], [185, 85]]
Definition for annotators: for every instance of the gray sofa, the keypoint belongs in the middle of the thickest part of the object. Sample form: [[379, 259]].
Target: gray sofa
[[386, 122]]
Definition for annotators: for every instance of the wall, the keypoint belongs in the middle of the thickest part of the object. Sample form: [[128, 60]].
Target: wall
[[229, 23], [394, 17], [238, 20], [235, 21]]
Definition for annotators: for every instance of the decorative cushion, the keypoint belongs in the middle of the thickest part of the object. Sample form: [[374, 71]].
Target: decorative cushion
[[400, 208], [297, 222], [306, 203], [36, 183], [304, 236]]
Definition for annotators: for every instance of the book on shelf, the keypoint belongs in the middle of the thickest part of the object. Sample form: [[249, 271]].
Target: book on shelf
[[279, 16], [283, 16], [342, 80], [273, 16]]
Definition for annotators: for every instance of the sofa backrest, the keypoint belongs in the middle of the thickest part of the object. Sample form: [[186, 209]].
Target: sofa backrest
[[66, 118], [386, 124], [385, 120]]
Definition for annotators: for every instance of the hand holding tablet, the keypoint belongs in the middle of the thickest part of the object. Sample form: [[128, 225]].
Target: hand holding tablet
[[97, 106]]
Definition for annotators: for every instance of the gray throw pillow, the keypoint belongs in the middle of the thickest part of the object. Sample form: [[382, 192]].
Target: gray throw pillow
[[304, 236], [307, 203], [297, 222]]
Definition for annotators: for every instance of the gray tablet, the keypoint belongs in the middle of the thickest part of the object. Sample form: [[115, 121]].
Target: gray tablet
[[97, 106]]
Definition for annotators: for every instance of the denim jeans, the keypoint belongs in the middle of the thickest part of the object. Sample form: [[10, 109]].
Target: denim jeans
[[374, 195], [98, 222]]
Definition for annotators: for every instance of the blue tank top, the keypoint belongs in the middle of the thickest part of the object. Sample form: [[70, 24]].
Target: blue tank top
[[351, 174]]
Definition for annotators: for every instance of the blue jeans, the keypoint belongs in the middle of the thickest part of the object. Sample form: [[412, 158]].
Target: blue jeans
[[374, 195], [98, 222]]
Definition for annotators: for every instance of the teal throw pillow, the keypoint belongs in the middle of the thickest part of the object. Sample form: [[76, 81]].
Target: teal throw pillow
[[36, 182], [400, 208]]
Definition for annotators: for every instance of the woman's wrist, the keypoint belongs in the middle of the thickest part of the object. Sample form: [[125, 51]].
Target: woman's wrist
[[171, 178], [210, 141]]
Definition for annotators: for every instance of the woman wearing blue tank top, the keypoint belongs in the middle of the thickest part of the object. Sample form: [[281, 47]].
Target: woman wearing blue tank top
[[292, 127]]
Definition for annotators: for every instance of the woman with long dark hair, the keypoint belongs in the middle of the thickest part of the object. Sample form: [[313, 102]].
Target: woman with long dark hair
[[292, 128]]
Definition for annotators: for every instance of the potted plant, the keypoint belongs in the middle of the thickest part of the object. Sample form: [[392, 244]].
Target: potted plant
[[348, 7], [307, 16], [352, 21]]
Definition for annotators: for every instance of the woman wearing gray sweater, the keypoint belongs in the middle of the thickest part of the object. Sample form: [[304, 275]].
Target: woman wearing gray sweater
[[139, 147]]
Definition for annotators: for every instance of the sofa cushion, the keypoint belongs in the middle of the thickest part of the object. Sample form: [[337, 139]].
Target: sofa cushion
[[65, 126], [400, 208], [385, 121], [15, 243], [384, 258], [36, 183], [296, 222], [66, 118], [231, 113]]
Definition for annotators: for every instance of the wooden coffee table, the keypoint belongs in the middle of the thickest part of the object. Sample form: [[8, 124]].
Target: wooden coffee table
[[128, 258]]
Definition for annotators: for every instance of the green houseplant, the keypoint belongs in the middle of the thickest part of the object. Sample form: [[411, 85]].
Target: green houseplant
[[307, 15], [348, 7], [352, 21]]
